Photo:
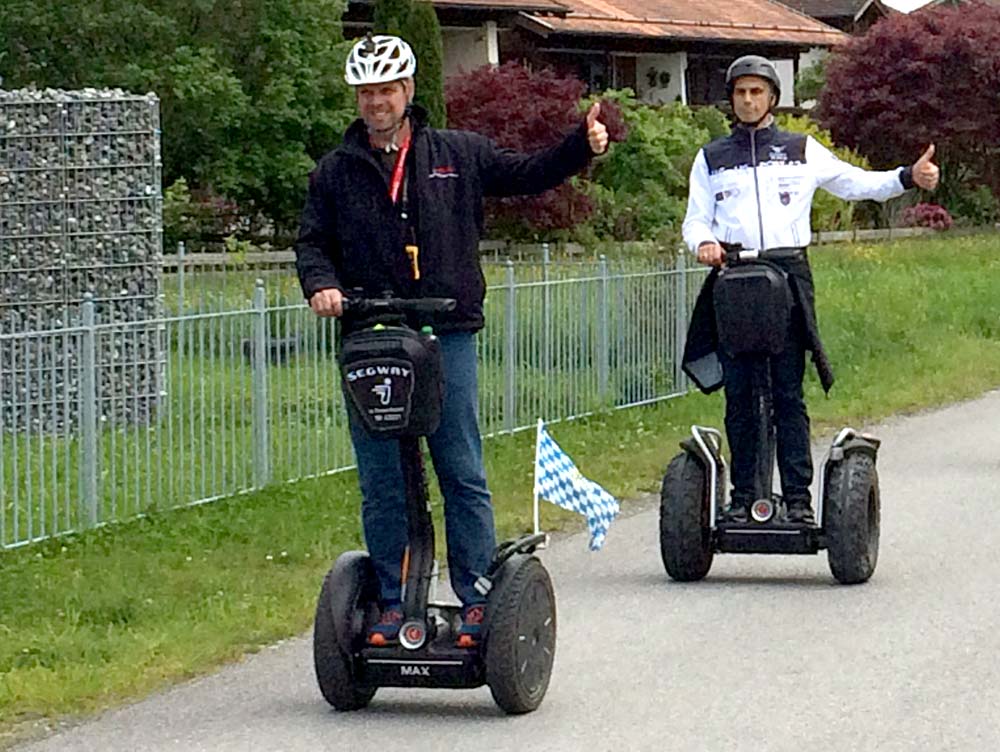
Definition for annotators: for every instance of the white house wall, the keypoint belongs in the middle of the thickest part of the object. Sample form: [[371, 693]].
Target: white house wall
[[673, 65], [786, 72], [464, 49]]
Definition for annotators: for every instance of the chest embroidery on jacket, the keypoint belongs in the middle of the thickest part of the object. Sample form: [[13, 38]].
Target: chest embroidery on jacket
[[778, 154], [445, 171]]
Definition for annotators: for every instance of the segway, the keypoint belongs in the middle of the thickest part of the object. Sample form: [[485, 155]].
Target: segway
[[753, 302], [393, 382]]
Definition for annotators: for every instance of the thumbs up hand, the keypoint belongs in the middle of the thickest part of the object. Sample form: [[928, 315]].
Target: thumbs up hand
[[597, 133], [925, 173]]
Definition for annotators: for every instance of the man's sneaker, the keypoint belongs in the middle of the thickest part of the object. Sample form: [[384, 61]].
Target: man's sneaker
[[472, 625], [738, 511], [800, 512], [387, 628]]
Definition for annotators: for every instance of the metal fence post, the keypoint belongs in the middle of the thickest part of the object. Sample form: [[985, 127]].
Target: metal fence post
[[680, 319], [88, 415], [604, 336], [180, 277], [546, 310], [510, 352], [261, 427]]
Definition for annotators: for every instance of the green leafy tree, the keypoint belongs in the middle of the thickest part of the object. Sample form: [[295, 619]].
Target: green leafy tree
[[424, 33], [417, 23], [810, 82], [390, 16], [251, 93]]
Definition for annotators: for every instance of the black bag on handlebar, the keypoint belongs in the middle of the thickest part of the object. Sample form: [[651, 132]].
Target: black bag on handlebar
[[753, 306], [393, 380]]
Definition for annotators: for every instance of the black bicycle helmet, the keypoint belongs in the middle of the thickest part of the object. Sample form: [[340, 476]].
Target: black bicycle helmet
[[753, 65]]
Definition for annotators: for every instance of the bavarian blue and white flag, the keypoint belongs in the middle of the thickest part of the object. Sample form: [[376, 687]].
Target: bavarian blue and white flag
[[558, 481]]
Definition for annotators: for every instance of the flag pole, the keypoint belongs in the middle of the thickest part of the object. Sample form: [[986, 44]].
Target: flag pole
[[538, 440]]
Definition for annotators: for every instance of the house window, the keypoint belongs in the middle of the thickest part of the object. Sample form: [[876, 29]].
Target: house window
[[706, 79], [623, 72]]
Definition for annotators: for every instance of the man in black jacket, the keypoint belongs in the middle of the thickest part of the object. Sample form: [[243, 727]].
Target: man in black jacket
[[398, 206]]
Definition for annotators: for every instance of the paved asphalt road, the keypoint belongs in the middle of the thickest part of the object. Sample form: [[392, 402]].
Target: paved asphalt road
[[767, 653]]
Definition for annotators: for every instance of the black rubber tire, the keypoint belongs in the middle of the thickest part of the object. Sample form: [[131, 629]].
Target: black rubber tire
[[685, 536], [852, 516], [349, 591], [520, 642]]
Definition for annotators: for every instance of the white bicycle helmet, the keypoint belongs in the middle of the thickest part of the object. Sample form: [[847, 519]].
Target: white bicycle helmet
[[379, 60]]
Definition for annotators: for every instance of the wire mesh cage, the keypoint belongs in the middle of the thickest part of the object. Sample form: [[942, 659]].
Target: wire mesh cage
[[80, 214]]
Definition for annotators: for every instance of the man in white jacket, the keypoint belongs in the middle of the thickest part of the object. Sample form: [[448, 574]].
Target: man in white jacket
[[754, 188]]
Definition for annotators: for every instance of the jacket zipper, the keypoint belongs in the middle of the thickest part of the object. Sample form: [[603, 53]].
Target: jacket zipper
[[756, 186]]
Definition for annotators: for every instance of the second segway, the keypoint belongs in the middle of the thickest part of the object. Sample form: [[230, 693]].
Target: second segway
[[752, 306]]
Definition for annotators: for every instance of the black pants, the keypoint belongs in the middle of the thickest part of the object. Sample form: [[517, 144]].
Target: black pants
[[791, 421]]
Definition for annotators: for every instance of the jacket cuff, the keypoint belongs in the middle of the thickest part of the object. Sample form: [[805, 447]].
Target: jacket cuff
[[321, 283], [906, 177]]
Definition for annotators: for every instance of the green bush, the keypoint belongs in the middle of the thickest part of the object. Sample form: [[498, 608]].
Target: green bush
[[640, 188], [975, 207]]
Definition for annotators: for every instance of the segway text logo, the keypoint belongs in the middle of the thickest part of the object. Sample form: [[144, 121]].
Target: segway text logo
[[361, 373], [415, 670]]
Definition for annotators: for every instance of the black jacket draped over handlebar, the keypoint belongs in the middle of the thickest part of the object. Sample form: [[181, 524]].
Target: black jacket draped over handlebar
[[352, 236], [701, 361]]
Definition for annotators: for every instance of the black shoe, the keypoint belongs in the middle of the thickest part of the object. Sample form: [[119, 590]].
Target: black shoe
[[800, 512], [738, 512]]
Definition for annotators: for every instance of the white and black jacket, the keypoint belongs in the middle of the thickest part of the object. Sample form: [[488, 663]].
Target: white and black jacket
[[755, 188]]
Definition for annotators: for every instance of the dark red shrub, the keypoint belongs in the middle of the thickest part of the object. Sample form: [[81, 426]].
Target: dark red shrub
[[525, 110], [932, 76], [926, 215]]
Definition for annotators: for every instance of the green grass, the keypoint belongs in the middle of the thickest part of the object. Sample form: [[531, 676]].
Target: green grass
[[88, 621]]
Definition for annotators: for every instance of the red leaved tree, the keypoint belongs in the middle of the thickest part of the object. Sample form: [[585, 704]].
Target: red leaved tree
[[928, 77], [523, 110]]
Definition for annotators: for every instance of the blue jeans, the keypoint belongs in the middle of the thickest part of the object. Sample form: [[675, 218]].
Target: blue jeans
[[457, 454]]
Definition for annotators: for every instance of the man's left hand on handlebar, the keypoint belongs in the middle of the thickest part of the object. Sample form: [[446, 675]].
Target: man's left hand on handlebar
[[328, 302], [711, 253]]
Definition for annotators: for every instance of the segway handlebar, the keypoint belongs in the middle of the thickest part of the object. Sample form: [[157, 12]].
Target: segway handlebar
[[389, 306], [736, 253]]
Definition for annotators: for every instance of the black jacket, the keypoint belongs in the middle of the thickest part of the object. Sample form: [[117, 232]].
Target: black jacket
[[701, 361], [352, 236]]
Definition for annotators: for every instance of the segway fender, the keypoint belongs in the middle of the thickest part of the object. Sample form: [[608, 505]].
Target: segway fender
[[352, 579], [503, 574], [865, 444]]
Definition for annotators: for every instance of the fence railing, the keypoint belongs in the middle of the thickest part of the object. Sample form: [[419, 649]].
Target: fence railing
[[228, 401]]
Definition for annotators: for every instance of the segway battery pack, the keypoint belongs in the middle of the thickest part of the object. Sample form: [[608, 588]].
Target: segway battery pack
[[392, 378], [753, 305]]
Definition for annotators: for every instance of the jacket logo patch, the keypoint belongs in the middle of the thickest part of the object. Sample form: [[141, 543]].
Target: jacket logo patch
[[778, 154], [786, 198], [727, 193], [445, 171]]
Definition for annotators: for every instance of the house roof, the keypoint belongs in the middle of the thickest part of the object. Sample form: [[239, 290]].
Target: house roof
[[523, 6], [827, 8], [849, 9], [732, 21]]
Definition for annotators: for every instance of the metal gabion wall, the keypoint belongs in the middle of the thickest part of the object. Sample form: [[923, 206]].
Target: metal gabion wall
[[80, 214]]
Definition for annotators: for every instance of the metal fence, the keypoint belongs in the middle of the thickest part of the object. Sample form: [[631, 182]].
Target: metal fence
[[250, 396]]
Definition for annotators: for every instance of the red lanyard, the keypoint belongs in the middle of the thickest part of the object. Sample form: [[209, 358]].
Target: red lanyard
[[398, 170]]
